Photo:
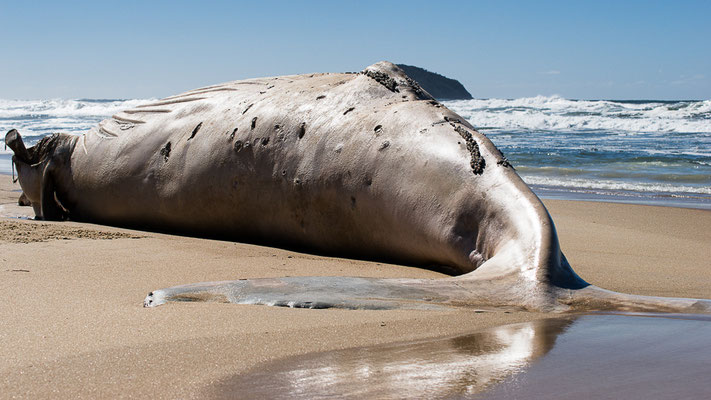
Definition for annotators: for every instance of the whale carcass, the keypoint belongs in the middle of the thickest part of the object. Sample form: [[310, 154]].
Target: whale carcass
[[358, 164]]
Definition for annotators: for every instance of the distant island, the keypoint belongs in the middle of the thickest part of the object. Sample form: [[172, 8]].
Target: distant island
[[440, 87]]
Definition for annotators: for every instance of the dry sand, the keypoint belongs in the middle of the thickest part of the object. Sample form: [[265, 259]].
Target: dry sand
[[73, 322]]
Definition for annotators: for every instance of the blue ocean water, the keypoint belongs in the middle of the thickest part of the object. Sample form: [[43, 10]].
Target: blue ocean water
[[641, 151], [648, 152]]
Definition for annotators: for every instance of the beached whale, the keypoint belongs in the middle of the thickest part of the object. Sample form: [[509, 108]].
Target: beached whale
[[358, 164]]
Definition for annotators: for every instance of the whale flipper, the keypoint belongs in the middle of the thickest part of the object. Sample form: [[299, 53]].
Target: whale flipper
[[310, 292], [386, 294]]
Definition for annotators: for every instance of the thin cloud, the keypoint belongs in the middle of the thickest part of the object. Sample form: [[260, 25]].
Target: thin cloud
[[550, 72], [683, 79]]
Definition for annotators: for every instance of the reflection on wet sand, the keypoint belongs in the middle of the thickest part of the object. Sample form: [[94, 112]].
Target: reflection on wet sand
[[620, 357], [599, 356], [425, 369]]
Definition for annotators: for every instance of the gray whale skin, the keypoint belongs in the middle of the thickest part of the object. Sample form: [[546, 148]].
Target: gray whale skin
[[360, 164]]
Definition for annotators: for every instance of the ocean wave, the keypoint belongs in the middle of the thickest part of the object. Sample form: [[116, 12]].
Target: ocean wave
[[554, 113], [38, 118], [33, 109], [600, 184]]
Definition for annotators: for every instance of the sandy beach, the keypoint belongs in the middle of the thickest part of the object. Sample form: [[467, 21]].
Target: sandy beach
[[74, 323]]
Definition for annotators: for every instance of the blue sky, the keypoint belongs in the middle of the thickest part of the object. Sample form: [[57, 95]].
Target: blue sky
[[576, 49]]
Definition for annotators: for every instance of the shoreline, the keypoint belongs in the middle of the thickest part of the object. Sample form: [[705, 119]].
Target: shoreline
[[659, 199], [74, 323]]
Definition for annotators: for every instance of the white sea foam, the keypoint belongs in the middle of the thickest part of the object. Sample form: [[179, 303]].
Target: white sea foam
[[613, 185], [37, 118], [65, 108], [555, 113]]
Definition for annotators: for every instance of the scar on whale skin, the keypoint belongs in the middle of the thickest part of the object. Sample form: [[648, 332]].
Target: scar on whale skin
[[165, 152], [195, 131], [302, 130]]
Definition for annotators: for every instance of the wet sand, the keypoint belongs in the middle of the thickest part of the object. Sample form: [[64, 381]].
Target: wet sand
[[74, 325], [621, 357], [589, 356]]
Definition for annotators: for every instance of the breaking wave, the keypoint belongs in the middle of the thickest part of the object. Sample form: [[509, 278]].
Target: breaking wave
[[555, 113], [650, 147], [38, 118]]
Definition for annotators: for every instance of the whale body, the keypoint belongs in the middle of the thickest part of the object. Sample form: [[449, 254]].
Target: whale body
[[365, 165]]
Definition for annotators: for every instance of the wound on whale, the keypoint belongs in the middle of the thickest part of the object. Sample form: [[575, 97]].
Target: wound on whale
[[364, 165]]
